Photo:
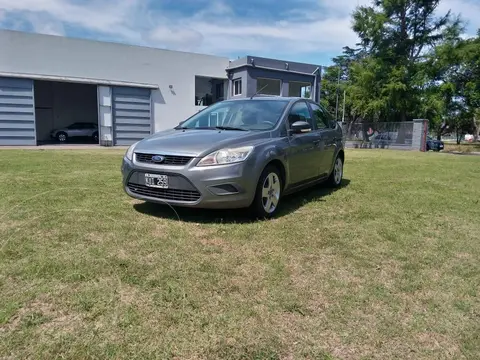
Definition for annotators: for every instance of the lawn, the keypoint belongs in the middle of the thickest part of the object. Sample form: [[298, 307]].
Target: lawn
[[387, 267], [464, 147]]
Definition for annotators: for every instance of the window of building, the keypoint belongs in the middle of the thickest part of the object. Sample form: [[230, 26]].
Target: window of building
[[320, 117], [208, 90], [267, 86], [300, 89], [237, 87], [300, 112], [219, 90]]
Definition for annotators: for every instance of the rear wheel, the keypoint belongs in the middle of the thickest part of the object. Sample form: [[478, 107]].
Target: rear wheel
[[268, 193], [336, 176], [62, 137]]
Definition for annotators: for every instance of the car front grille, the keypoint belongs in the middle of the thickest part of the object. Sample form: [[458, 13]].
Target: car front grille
[[165, 194], [168, 159]]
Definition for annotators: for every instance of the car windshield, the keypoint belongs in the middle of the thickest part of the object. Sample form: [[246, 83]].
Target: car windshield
[[248, 114]]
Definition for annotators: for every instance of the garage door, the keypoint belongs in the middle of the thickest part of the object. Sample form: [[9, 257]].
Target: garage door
[[17, 112], [132, 120]]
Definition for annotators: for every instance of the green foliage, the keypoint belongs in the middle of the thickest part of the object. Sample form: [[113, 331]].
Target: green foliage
[[410, 63]]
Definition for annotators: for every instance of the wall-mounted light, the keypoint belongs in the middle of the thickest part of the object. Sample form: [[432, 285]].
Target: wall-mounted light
[[252, 61], [286, 65]]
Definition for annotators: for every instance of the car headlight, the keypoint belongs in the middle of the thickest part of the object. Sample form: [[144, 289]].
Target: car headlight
[[129, 153], [226, 156]]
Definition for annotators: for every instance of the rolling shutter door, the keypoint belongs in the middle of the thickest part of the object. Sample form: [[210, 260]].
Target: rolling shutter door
[[131, 115], [17, 112]]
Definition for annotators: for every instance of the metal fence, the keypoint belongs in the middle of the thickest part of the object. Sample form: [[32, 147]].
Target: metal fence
[[381, 135]]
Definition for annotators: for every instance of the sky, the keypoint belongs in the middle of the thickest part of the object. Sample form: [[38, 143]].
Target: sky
[[310, 31]]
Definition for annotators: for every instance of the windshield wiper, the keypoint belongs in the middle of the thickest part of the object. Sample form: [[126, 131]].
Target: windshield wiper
[[229, 128]]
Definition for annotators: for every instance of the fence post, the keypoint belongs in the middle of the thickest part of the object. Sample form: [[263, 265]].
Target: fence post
[[419, 136]]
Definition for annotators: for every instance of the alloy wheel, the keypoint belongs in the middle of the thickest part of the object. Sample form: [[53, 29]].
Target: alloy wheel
[[338, 171], [271, 192]]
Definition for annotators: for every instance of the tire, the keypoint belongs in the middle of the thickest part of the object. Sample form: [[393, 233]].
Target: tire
[[95, 137], [268, 193], [335, 178], [62, 137]]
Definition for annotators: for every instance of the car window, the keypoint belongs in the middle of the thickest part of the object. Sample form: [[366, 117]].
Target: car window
[[300, 112], [248, 114], [320, 117], [74, 126]]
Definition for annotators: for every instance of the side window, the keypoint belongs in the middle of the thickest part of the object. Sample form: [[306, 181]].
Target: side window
[[321, 118], [300, 112]]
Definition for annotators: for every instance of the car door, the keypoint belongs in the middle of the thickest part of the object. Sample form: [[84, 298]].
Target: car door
[[87, 129], [302, 160], [327, 144], [74, 130]]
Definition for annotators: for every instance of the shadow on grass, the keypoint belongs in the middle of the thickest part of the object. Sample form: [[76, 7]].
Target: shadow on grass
[[288, 205]]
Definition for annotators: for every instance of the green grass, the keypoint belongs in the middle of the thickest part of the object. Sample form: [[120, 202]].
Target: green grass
[[464, 147], [387, 267]]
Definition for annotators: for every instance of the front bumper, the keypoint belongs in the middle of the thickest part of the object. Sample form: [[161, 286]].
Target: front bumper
[[217, 187]]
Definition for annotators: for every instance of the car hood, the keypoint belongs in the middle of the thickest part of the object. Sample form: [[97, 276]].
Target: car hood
[[196, 142]]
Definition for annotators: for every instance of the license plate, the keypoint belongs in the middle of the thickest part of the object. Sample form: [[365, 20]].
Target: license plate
[[156, 181]]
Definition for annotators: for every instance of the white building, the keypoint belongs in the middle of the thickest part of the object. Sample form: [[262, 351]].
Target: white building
[[49, 82]]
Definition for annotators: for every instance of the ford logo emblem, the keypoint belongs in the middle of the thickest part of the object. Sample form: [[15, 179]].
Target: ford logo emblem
[[158, 158]]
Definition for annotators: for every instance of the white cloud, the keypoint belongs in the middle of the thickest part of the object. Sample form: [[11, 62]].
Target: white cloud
[[43, 26], [324, 28], [215, 29], [107, 16], [469, 10]]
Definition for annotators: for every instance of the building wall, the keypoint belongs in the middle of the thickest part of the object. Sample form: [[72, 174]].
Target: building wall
[[250, 68], [26, 53], [249, 77]]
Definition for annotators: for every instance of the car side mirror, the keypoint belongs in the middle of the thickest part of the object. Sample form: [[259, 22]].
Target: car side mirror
[[299, 127]]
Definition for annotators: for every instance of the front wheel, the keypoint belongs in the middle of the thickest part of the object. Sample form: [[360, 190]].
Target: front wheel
[[62, 137], [335, 179], [268, 193]]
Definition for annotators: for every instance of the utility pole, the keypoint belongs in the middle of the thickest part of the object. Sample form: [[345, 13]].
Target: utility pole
[[338, 88]]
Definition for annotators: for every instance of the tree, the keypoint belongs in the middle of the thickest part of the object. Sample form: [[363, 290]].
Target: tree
[[454, 71], [395, 34]]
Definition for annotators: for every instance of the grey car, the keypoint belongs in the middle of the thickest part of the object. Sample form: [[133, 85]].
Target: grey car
[[241, 153], [76, 130]]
